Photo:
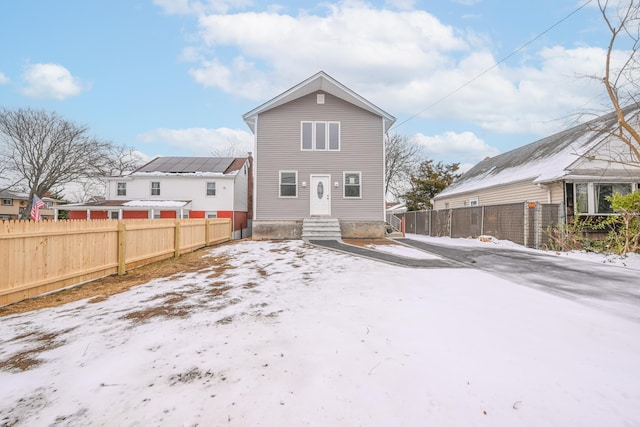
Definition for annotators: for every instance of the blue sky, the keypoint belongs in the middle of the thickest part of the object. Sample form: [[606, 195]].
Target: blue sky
[[173, 77]]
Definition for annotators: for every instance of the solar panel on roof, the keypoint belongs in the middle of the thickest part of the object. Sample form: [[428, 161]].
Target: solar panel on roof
[[188, 164]]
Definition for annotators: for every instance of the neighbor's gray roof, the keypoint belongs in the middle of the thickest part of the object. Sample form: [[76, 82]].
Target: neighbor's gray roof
[[220, 165], [320, 81], [545, 160]]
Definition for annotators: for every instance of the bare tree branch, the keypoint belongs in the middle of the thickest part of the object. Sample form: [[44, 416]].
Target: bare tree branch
[[44, 151], [401, 160], [621, 83]]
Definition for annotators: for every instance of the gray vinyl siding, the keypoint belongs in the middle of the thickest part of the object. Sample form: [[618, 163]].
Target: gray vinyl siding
[[278, 148], [508, 193]]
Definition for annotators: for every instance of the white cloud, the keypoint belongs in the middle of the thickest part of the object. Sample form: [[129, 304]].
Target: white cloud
[[352, 39], [196, 7], [51, 81], [3, 79], [405, 61], [201, 141], [464, 147], [401, 4]]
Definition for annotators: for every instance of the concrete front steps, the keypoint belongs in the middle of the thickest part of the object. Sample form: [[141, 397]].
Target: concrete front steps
[[321, 228]]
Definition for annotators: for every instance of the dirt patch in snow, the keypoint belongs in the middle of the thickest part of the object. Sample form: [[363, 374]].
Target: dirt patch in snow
[[101, 289]]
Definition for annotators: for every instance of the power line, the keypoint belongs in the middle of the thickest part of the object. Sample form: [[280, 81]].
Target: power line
[[468, 82]]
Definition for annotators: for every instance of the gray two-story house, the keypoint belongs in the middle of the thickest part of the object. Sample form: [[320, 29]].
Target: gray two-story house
[[319, 154]]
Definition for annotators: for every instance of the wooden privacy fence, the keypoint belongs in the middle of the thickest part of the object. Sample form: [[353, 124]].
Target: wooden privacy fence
[[41, 257], [522, 223]]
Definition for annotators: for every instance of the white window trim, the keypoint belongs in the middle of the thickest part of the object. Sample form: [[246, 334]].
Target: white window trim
[[159, 188], [7, 204], [280, 184], [313, 136], [591, 197], [118, 188], [206, 189], [344, 184], [473, 202]]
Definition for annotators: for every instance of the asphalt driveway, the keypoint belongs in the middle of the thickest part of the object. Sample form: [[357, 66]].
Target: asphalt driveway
[[614, 288]]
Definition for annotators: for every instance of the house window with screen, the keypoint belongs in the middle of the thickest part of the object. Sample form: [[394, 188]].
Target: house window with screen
[[352, 185], [320, 136], [288, 184], [155, 188], [211, 188], [122, 189]]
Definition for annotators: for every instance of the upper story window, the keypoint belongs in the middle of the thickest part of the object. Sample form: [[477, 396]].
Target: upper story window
[[211, 188], [320, 136], [7, 202], [592, 198], [352, 185], [122, 189], [155, 188], [288, 184]]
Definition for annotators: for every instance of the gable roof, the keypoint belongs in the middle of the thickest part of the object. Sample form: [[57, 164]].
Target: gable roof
[[21, 195], [546, 160], [192, 165], [320, 81]]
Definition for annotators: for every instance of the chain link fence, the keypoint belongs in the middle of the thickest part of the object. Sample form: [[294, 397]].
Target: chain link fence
[[521, 223]]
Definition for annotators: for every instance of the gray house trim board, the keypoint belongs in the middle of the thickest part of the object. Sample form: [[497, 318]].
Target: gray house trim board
[[320, 172]]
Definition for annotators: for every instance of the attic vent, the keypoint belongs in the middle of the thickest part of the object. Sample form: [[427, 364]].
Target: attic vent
[[320, 98]]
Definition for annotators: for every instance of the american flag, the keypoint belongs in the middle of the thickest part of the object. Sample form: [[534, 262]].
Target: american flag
[[35, 208]]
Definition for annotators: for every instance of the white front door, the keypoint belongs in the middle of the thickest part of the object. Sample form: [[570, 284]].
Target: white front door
[[320, 195]]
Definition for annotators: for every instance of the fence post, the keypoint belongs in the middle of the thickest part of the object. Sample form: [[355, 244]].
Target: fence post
[[482, 222], [526, 224], [538, 226], [207, 237], [122, 248], [450, 222], [176, 239]]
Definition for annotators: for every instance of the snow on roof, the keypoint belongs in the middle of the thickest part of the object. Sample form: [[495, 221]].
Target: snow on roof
[[156, 203], [545, 160]]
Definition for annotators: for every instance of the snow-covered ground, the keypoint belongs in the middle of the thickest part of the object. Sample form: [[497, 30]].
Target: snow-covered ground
[[291, 335], [631, 261]]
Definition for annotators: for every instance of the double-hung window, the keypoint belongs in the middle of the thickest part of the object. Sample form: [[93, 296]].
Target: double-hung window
[[7, 202], [155, 188], [122, 189], [288, 184], [320, 136], [352, 185], [211, 188]]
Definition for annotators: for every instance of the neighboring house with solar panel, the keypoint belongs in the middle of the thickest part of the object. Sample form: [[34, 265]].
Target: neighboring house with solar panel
[[178, 187], [319, 163]]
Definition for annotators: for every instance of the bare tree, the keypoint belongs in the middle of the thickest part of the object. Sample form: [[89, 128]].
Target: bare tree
[[622, 81], [401, 159], [45, 151], [232, 149], [118, 160]]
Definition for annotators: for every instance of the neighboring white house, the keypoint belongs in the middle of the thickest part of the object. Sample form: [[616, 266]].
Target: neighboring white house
[[178, 187]]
